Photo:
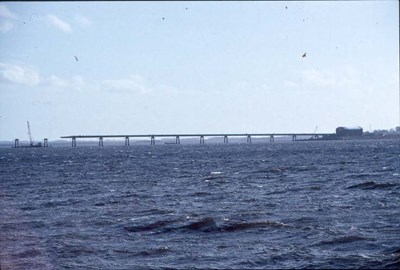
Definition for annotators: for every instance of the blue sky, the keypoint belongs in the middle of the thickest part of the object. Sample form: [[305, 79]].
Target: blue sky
[[197, 67]]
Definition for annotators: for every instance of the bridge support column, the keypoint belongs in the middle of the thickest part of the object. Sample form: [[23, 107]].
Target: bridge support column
[[73, 142], [248, 139], [126, 141], [177, 140], [271, 138], [101, 141], [294, 138], [152, 140], [45, 142], [225, 139], [16, 143], [201, 139]]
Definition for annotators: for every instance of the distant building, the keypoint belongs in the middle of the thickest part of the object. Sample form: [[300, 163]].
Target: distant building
[[349, 131]]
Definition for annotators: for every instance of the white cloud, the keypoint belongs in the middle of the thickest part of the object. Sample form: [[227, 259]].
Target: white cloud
[[167, 89], [16, 74], [134, 83], [325, 78], [395, 76], [5, 26], [6, 13], [54, 81], [79, 83], [313, 76], [58, 23], [82, 20], [72, 83], [290, 84], [6, 17]]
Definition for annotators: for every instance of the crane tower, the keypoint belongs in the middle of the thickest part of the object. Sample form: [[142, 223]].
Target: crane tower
[[30, 135]]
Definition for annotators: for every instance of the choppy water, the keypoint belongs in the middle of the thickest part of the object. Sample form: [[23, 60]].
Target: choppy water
[[229, 206]]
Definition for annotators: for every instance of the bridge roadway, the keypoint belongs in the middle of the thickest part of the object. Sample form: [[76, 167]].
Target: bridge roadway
[[201, 136]]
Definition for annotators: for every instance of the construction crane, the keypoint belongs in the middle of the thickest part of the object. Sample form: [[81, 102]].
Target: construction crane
[[31, 142], [30, 135]]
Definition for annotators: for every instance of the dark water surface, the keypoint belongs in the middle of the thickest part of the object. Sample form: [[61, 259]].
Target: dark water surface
[[221, 206]]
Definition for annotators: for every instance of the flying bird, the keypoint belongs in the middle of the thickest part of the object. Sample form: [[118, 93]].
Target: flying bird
[[76, 58], [304, 55]]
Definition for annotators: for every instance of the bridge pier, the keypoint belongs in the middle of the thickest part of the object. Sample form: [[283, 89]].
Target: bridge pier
[[225, 139], [177, 140], [294, 138], [152, 140], [201, 139], [16, 143], [101, 141], [45, 142], [126, 141], [248, 139], [271, 138]]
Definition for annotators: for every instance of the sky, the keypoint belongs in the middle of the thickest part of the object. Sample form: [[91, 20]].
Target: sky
[[83, 68]]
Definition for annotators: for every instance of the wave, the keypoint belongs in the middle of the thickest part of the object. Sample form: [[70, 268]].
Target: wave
[[150, 227], [158, 251], [207, 224], [252, 225], [362, 175], [395, 251], [214, 175], [277, 170], [281, 170], [200, 193], [155, 251], [393, 265], [372, 185], [345, 239], [392, 259]]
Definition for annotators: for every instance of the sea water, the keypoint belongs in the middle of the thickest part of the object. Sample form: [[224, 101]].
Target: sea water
[[332, 204]]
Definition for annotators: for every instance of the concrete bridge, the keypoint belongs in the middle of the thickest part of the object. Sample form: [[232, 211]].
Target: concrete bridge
[[201, 137]]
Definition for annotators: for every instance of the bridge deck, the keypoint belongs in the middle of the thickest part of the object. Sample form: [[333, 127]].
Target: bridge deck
[[201, 135], [194, 135]]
